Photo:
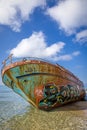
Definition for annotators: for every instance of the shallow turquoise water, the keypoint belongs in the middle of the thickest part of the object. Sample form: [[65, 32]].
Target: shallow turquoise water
[[16, 114], [11, 104]]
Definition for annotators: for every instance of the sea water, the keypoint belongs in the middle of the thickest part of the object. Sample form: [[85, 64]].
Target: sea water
[[17, 114], [10, 104]]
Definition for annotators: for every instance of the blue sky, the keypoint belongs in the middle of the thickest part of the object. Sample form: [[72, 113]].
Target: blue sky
[[49, 29]]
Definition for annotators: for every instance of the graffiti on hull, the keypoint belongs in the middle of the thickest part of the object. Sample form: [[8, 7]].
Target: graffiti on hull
[[54, 95]]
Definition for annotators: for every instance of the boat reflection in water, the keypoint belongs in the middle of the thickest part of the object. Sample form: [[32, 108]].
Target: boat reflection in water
[[43, 84]]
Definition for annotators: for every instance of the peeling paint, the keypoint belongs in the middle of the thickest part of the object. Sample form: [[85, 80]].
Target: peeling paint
[[32, 78]]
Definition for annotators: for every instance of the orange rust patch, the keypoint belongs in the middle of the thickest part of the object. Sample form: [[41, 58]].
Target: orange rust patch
[[38, 92]]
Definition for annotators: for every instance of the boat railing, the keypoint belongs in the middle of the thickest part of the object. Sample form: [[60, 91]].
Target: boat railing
[[7, 61], [10, 59]]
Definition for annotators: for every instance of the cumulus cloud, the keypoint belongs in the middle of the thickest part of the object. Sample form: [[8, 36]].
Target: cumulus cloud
[[36, 46], [81, 36], [14, 12], [69, 14]]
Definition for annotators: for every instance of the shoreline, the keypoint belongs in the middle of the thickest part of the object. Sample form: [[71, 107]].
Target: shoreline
[[72, 116]]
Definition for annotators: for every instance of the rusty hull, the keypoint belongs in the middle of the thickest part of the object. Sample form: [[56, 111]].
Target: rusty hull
[[43, 84]]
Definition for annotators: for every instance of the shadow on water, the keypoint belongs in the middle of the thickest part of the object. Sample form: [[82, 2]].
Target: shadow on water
[[74, 106]]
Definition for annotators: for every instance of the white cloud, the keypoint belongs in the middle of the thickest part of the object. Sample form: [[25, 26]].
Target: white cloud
[[69, 14], [67, 57], [81, 36], [36, 46], [76, 53], [14, 12]]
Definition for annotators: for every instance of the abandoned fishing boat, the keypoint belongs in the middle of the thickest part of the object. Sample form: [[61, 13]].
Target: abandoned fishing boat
[[43, 84]]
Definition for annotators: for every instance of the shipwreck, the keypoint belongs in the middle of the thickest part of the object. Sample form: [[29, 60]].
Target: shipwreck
[[43, 84]]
